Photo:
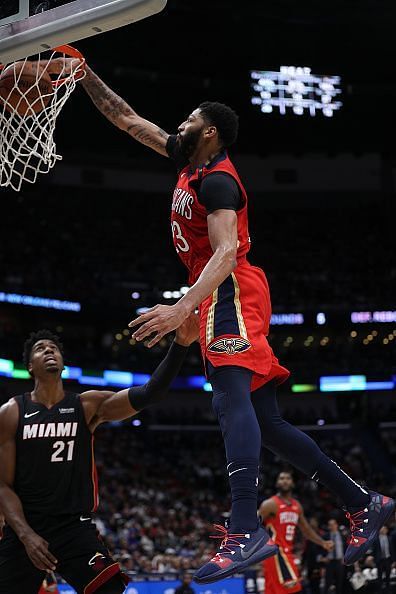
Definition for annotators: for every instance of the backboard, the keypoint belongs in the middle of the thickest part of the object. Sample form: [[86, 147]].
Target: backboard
[[28, 27]]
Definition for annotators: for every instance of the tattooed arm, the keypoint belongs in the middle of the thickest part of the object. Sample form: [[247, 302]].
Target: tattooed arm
[[119, 113]]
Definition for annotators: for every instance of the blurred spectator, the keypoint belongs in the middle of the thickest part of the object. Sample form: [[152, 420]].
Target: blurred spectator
[[370, 573], [384, 556], [335, 569], [312, 559], [185, 586], [358, 580]]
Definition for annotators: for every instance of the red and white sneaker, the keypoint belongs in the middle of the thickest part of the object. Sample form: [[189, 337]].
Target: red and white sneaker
[[366, 524], [236, 553]]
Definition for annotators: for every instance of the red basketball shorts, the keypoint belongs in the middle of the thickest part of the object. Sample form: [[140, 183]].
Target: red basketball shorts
[[281, 574], [234, 325]]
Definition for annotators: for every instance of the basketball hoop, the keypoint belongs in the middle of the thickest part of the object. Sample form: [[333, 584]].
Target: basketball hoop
[[28, 114]]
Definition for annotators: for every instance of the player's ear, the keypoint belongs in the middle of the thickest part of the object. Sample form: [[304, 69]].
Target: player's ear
[[210, 131]]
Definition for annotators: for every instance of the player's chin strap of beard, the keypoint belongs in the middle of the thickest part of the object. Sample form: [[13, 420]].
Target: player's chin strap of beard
[[158, 385]]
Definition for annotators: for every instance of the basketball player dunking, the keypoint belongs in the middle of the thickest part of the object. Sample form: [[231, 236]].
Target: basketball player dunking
[[48, 482], [282, 514], [210, 233]]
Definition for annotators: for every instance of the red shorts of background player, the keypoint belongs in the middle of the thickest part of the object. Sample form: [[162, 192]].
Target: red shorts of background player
[[234, 325], [281, 574]]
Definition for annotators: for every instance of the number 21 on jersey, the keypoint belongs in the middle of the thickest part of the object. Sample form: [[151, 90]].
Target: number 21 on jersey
[[63, 452]]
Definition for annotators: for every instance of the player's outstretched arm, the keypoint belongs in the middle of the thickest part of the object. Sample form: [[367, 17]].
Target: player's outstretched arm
[[10, 504], [113, 107], [119, 113], [116, 406], [313, 536], [162, 319]]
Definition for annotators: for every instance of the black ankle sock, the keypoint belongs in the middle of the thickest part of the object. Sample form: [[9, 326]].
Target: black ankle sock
[[243, 477]]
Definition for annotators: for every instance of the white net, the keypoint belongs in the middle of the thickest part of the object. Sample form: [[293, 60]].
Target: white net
[[32, 95]]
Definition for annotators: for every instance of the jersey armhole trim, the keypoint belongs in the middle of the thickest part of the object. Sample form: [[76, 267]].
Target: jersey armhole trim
[[19, 400], [79, 400]]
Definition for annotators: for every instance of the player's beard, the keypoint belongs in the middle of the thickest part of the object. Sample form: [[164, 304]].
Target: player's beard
[[188, 143]]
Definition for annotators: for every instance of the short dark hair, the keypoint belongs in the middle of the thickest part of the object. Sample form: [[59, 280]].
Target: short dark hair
[[289, 472], [224, 118], [35, 337]]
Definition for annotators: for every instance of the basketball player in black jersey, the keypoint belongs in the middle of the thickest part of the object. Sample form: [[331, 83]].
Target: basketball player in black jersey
[[48, 482]]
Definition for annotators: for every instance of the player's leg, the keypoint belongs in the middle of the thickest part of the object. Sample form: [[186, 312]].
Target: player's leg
[[87, 565], [367, 510], [242, 441], [246, 542], [300, 450]]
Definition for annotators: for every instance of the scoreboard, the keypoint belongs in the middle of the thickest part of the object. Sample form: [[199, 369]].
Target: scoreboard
[[296, 90]]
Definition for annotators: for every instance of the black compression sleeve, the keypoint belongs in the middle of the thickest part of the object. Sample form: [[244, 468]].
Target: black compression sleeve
[[161, 380], [219, 190]]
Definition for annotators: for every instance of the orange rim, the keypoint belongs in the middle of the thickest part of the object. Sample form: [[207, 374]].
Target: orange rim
[[70, 51]]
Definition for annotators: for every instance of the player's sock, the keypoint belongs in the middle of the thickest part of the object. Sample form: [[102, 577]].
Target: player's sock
[[243, 477], [242, 439], [301, 451]]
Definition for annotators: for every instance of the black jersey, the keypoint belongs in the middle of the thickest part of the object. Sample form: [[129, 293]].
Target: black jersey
[[55, 467]]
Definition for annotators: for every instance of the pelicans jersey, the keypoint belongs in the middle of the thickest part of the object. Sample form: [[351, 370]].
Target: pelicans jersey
[[280, 571], [188, 218], [234, 320]]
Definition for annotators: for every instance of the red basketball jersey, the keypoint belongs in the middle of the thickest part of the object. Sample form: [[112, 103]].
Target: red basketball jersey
[[283, 525], [189, 217]]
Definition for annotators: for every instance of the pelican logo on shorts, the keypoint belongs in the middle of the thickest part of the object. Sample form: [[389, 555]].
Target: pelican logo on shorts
[[230, 346]]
